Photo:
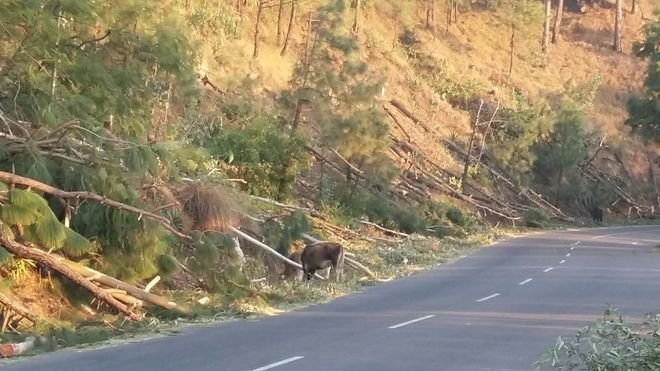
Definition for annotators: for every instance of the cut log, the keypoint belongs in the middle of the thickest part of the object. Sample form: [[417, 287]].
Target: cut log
[[114, 283], [15, 349]]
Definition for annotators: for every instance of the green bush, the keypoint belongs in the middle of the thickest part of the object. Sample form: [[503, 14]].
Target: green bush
[[608, 344], [456, 216], [536, 218]]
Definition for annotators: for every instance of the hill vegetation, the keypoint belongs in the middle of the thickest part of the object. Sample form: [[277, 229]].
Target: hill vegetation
[[199, 142]]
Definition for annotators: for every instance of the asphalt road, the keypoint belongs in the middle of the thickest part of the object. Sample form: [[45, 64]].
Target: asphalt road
[[497, 309]]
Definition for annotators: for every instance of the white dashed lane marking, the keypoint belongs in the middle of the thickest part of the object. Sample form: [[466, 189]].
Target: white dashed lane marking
[[525, 281], [412, 321], [280, 363], [547, 270], [562, 262], [489, 297]]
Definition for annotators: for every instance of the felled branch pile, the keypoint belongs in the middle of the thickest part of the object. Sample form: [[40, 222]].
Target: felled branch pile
[[474, 196]]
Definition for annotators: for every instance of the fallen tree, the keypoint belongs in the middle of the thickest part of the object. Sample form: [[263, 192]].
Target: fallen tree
[[51, 261]]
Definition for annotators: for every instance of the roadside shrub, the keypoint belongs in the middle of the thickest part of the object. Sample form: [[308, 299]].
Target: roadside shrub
[[456, 216], [536, 218], [608, 344]]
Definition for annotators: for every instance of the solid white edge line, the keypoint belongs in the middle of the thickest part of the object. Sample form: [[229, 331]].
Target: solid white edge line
[[412, 321], [525, 281], [562, 262], [280, 363], [547, 270], [489, 297]]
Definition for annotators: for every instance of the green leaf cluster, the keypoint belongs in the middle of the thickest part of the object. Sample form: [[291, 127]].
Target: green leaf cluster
[[30, 211]]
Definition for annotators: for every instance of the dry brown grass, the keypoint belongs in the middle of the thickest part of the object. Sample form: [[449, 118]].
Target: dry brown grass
[[209, 207], [475, 48]]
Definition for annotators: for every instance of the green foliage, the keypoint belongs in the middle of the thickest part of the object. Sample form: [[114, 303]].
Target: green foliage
[[332, 78], [281, 233], [559, 154], [643, 109], [410, 43], [513, 140], [255, 148], [120, 74], [30, 211], [608, 344], [536, 218], [458, 92], [456, 216]]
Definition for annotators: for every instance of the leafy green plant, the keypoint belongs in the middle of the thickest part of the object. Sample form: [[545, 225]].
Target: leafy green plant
[[536, 218], [608, 344], [643, 108]]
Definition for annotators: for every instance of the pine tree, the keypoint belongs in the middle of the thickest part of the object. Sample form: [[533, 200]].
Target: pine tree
[[90, 86], [643, 108], [331, 78], [558, 156]]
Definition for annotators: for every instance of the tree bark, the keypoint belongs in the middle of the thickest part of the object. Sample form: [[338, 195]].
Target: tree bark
[[280, 9], [546, 26], [617, 26], [289, 28], [557, 24], [114, 283], [633, 7], [449, 8], [260, 7], [430, 15], [466, 166], [512, 45], [26, 252]]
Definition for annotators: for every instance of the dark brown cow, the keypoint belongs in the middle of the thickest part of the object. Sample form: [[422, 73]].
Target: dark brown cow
[[320, 255]]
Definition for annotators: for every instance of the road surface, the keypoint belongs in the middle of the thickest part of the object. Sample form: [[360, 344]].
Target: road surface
[[497, 309]]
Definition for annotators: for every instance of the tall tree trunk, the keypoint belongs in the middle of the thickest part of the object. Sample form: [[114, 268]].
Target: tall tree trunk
[[559, 178], [280, 9], [239, 10], [448, 15], [430, 14], [546, 26], [396, 31], [260, 7], [468, 153], [289, 28], [512, 44], [617, 26], [356, 19], [53, 82], [307, 38], [555, 28]]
